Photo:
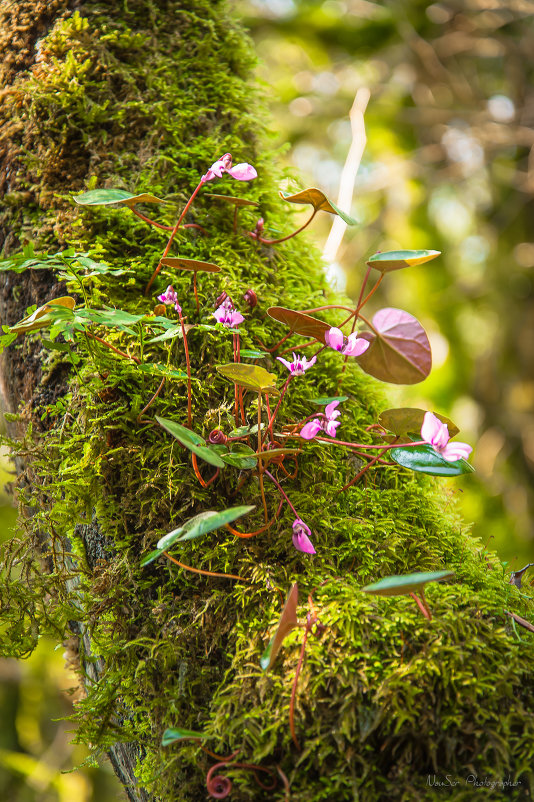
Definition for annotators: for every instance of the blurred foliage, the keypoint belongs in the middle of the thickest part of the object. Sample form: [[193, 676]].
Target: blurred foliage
[[449, 164], [36, 695]]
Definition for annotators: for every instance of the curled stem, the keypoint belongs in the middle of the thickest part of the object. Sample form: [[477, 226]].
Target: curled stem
[[198, 475], [200, 571], [289, 236]]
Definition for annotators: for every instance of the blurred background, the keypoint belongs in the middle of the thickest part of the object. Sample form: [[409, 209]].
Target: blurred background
[[449, 165]]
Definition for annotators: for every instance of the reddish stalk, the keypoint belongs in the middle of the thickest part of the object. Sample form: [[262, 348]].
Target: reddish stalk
[[278, 344], [173, 234], [195, 290], [149, 221], [145, 408], [289, 236], [198, 475], [423, 609], [260, 465], [245, 535], [272, 417], [299, 347], [200, 571], [112, 348]]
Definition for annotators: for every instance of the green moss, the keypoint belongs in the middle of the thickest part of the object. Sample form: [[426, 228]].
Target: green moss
[[124, 98]]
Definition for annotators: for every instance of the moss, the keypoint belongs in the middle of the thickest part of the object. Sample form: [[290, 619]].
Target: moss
[[145, 96]]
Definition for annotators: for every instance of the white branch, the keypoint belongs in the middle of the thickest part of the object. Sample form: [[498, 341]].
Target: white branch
[[350, 170]]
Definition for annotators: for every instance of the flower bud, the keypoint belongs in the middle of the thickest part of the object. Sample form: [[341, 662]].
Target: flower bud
[[251, 298], [217, 437]]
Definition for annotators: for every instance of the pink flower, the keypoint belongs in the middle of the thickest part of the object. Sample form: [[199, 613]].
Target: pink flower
[[301, 539], [436, 434], [349, 346], [299, 364], [327, 422], [169, 298], [241, 172], [227, 315]]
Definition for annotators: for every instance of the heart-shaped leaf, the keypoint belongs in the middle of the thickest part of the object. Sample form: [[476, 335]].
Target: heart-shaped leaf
[[233, 200], [190, 264], [424, 459], [192, 441], [241, 456], [202, 524], [274, 453], [173, 734], [103, 197], [397, 260], [408, 583], [251, 377], [324, 400], [406, 420], [288, 621], [316, 198], [299, 322], [40, 319], [399, 351]]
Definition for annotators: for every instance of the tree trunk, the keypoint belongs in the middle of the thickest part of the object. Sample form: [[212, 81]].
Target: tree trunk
[[145, 97]]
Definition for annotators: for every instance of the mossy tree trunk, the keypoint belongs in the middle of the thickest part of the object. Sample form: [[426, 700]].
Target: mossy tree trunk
[[145, 96]]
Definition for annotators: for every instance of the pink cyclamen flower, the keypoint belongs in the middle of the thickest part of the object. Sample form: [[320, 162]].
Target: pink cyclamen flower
[[228, 315], [241, 172], [349, 346], [169, 298], [301, 539], [436, 434], [299, 365], [327, 422]]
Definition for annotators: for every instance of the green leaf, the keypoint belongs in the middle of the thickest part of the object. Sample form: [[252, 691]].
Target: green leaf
[[150, 557], [249, 353], [202, 524], [288, 621], [190, 264], [158, 369], [424, 459], [170, 334], [41, 318], [323, 401], [396, 260], [103, 197], [274, 453], [408, 583], [406, 420], [316, 198], [399, 351], [251, 377], [173, 734], [192, 441], [300, 322], [244, 431], [241, 456], [98, 268]]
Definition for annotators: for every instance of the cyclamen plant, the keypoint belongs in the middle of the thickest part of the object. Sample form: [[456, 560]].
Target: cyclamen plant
[[393, 347]]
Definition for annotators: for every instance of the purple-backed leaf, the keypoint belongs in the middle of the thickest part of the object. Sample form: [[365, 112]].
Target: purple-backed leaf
[[232, 199], [288, 621], [299, 322], [104, 197], [406, 583], [316, 198], [516, 577], [405, 420], [190, 264], [521, 621], [39, 318], [387, 261], [399, 352]]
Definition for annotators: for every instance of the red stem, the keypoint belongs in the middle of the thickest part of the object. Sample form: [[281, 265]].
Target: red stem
[[112, 347], [200, 571], [173, 234], [151, 222], [289, 236], [188, 366]]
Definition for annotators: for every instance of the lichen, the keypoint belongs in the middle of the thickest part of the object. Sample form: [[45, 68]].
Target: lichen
[[145, 96]]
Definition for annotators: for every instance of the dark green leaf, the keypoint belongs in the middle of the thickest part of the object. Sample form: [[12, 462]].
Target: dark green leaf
[[328, 400], [175, 734], [241, 456], [408, 583], [202, 524], [103, 197], [425, 459], [150, 557], [192, 441], [249, 353]]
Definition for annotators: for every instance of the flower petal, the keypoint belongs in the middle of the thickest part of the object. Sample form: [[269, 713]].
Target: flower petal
[[334, 338], [331, 426], [433, 431], [243, 172], [355, 345], [331, 410], [311, 429], [284, 362], [455, 451], [303, 543]]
